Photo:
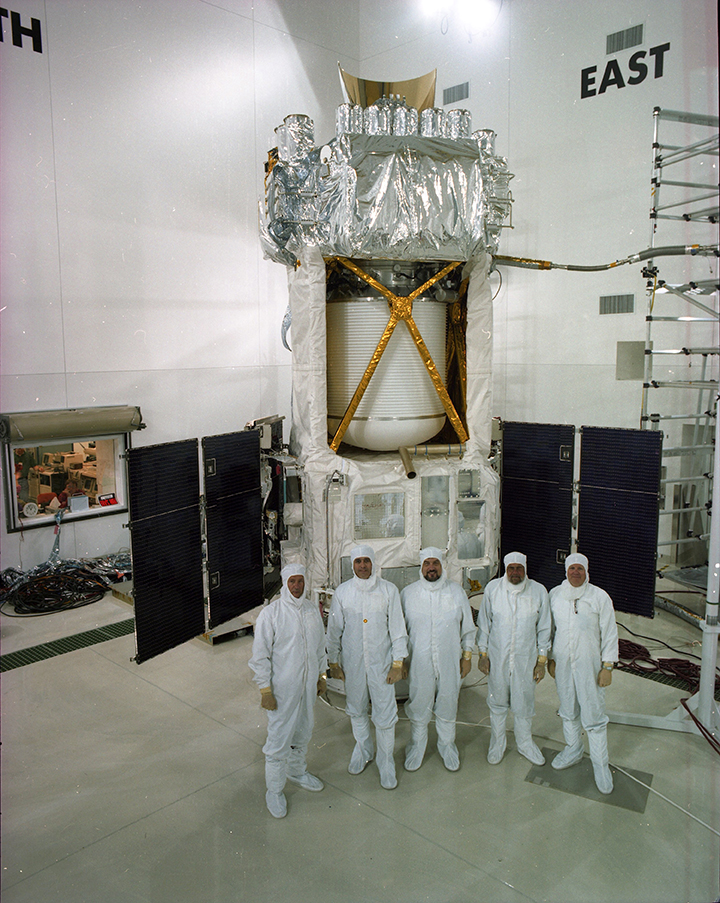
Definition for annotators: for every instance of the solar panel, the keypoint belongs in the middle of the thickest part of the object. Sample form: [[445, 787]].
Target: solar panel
[[233, 524], [618, 513], [536, 506], [166, 541]]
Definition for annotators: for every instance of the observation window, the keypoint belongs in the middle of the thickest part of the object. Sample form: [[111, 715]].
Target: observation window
[[470, 516], [379, 515], [435, 514], [53, 470]]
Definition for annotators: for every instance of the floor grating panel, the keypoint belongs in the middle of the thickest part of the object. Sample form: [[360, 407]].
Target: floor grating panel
[[67, 644]]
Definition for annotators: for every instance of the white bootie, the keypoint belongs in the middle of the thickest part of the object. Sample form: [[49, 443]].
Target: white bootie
[[276, 803], [358, 760], [307, 781], [415, 750], [603, 778], [574, 749], [385, 738], [498, 741], [363, 752], [446, 744], [526, 746], [571, 755], [597, 741], [450, 756]]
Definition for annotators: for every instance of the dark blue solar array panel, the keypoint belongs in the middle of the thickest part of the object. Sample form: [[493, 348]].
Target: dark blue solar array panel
[[537, 479], [232, 464], [165, 533], [618, 513], [233, 524]]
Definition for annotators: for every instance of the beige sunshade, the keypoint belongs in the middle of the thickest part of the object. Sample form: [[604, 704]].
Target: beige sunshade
[[418, 92]]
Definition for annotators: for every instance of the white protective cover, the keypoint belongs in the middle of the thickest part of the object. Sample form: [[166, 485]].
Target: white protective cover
[[366, 472]]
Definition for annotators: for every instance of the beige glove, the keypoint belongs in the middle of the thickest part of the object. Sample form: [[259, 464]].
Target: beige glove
[[604, 677], [551, 668], [267, 700], [322, 685], [335, 671], [484, 663], [465, 666], [395, 673]]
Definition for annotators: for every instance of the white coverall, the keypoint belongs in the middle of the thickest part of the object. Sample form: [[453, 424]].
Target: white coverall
[[365, 634], [514, 626], [288, 656], [440, 628], [584, 636]]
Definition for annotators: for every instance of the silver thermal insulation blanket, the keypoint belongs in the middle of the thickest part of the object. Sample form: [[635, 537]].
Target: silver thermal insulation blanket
[[402, 197], [328, 522]]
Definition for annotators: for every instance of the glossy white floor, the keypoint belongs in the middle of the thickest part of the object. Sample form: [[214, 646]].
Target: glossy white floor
[[125, 783]]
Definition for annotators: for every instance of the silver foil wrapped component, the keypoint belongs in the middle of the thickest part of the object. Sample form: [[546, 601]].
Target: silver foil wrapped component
[[295, 137], [457, 124], [349, 119], [343, 120], [378, 118], [431, 123], [486, 139], [405, 119], [405, 197]]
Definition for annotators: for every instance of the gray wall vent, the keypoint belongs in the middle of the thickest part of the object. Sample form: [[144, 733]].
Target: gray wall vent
[[456, 93], [617, 304], [621, 40]]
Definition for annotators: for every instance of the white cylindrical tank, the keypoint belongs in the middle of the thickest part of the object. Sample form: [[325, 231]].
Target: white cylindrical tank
[[400, 406]]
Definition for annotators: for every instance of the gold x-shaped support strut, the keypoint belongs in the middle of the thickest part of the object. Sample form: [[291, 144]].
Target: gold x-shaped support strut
[[400, 309]]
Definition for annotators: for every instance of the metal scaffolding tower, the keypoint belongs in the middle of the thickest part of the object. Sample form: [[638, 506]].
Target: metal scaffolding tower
[[680, 387], [682, 357]]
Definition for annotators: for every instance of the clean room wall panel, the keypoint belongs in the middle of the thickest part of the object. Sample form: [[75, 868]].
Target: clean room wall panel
[[239, 7], [557, 316], [587, 395], [581, 166], [272, 300], [582, 193], [174, 320], [390, 29], [275, 395], [154, 212], [182, 403], [328, 26], [33, 391], [32, 327]]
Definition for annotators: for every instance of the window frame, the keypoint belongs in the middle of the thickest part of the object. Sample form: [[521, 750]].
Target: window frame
[[58, 429]]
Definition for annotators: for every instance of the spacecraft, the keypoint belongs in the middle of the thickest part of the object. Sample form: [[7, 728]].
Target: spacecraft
[[387, 232]]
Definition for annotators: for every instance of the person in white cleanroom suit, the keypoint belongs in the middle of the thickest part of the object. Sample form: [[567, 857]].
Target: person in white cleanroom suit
[[366, 647], [514, 626], [288, 660], [441, 635], [585, 649]]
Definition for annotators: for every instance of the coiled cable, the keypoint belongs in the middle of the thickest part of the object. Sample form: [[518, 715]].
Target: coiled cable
[[60, 586]]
